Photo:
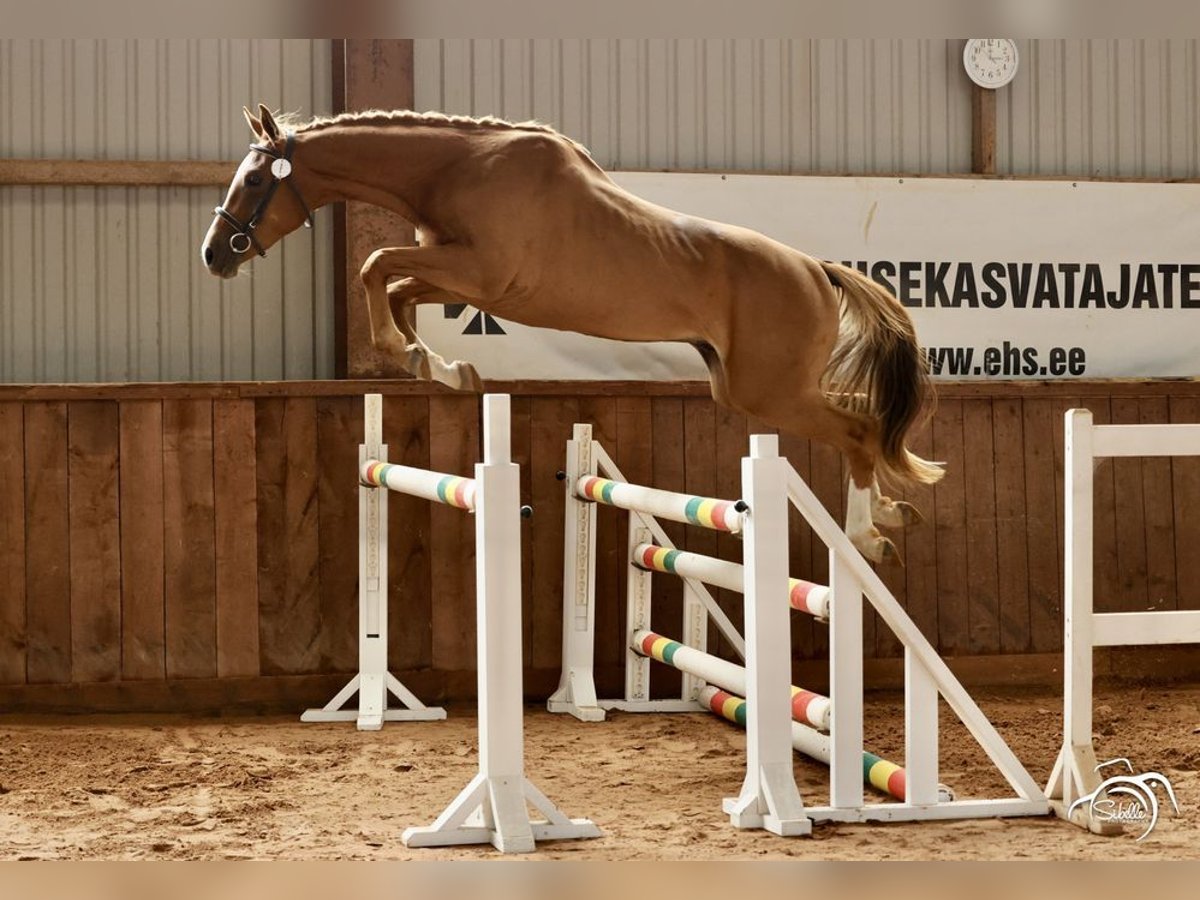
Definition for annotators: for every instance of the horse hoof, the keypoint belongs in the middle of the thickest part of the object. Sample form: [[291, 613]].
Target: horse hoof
[[879, 549], [897, 514], [468, 378], [416, 362]]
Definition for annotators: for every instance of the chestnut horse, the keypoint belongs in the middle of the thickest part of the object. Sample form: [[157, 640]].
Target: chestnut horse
[[519, 221]]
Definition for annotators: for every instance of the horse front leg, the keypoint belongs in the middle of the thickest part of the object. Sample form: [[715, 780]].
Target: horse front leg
[[403, 295], [394, 334]]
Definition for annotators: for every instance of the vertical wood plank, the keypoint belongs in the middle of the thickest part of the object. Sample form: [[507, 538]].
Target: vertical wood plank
[[1012, 549], [950, 508], [288, 584], [93, 436], [406, 424], [189, 550], [378, 74], [1129, 592], [235, 512], [47, 551], [551, 421], [1041, 421], [1161, 587], [454, 448], [143, 648], [601, 414], [979, 468], [339, 432], [1185, 472], [12, 544]]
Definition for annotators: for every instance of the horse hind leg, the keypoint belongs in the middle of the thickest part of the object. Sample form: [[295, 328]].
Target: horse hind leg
[[892, 513]]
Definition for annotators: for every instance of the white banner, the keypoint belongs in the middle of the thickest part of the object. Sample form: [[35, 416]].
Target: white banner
[[1004, 279]]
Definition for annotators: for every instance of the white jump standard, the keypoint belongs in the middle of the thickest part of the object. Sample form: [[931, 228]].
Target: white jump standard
[[374, 683], [493, 807], [1074, 775], [769, 798]]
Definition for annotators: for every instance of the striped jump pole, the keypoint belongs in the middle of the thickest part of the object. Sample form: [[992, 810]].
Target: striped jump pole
[[879, 773], [804, 596], [437, 487], [719, 515], [807, 707]]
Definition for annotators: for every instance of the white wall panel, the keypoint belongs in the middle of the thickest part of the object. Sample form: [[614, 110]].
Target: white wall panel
[[100, 284], [791, 105]]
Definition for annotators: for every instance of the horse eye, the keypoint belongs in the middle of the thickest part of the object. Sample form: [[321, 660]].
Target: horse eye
[[254, 179]]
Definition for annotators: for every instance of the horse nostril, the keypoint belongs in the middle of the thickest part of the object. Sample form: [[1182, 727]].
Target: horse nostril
[[208, 256]]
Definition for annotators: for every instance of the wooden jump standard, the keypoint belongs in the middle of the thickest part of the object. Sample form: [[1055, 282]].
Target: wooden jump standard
[[1075, 775], [768, 483]]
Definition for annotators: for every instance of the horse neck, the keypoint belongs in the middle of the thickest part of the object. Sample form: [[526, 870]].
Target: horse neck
[[384, 165]]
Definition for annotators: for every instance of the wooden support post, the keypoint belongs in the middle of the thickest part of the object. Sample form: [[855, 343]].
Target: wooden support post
[[375, 74], [983, 130]]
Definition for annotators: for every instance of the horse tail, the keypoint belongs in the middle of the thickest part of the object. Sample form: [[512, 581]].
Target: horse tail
[[878, 368]]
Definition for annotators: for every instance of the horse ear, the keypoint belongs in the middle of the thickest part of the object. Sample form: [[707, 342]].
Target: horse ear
[[255, 125], [270, 130]]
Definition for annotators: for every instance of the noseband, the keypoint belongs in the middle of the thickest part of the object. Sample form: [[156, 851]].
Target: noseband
[[243, 238]]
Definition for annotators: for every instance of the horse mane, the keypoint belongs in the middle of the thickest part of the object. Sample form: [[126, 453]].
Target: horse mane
[[294, 122]]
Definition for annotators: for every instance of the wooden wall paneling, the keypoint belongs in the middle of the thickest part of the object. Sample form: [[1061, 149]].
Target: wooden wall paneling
[[522, 412], [949, 497], [454, 448], [611, 525], [270, 462], [339, 432], [979, 468], [1042, 419], [13, 637], [302, 597], [551, 421], [410, 573], [1185, 474], [700, 474], [1162, 590], [286, 474], [733, 443], [1012, 525], [143, 635], [1130, 590], [669, 473], [189, 550], [235, 515], [47, 550], [921, 547], [93, 437]]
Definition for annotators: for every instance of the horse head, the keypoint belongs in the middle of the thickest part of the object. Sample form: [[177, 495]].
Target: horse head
[[253, 218]]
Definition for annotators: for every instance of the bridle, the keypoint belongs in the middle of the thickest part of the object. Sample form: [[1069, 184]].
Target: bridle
[[243, 237]]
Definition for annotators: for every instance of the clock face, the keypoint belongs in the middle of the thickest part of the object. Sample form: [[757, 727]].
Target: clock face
[[990, 62]]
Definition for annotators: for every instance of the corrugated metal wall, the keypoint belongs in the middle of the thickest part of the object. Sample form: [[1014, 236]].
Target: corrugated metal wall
[[1102, 108], [100, 284], [829, 106]]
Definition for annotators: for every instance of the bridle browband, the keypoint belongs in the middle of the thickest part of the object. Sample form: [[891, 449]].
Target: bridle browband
[[243, 237]]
